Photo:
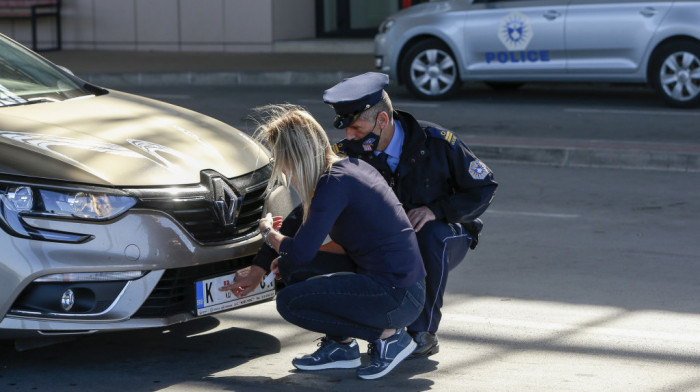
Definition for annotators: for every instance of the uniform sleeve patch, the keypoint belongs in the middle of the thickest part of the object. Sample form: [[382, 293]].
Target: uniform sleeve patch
[[478, 170]]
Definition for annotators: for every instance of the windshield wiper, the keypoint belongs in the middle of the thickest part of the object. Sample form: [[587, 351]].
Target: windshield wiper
[[30, 101]]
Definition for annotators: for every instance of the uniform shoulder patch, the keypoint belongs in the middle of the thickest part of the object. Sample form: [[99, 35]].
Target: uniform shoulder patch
[[478, 170], [338, 147], [439, 133]]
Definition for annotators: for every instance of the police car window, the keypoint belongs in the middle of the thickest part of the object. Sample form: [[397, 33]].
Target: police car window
[[501, 1]]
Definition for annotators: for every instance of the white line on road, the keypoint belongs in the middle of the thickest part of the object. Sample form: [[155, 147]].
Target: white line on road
[[634, 112], [578, 329], [535, 214]]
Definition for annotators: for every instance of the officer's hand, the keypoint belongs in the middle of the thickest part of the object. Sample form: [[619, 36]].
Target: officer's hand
[[245, 281], [332, 247], [420, 216]]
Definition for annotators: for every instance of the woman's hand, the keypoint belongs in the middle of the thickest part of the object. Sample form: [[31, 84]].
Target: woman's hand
[[269, 221], [275, 269], [245, 281]]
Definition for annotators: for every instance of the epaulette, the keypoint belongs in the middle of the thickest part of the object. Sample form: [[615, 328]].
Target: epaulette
[[443, 134]]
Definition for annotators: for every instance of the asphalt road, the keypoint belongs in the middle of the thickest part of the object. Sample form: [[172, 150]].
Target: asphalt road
[[553, 111], [585, 279]]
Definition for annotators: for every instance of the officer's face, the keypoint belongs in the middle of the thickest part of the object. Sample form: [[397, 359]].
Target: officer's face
[[359, 129]]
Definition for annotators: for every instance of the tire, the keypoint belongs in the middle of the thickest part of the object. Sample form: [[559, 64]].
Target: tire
[[429, 70], [674, 71]]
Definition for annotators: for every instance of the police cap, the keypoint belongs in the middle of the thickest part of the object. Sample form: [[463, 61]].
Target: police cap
[[353, 96]]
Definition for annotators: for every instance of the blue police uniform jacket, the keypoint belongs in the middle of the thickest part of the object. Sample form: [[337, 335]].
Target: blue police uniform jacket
[[436, 170], [354, 206]]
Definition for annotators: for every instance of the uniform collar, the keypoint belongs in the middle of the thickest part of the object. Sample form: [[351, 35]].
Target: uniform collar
[[414, 137], [396, 143]]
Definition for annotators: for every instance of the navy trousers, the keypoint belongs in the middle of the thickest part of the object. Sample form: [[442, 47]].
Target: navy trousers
[[443, 246]]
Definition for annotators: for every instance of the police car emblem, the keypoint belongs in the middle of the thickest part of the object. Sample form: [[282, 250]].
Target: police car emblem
[[478, 170], [367, 144], [515, 31]]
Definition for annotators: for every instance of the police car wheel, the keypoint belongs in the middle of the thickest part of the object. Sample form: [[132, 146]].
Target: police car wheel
[[429, 70], [674, 71]]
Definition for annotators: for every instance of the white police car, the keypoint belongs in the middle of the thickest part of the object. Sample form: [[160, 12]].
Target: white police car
[[432, 47]]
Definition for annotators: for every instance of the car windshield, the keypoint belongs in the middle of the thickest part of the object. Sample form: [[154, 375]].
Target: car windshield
[[26, 78]]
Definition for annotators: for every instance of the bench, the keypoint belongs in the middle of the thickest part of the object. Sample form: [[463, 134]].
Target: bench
[[33, 10]]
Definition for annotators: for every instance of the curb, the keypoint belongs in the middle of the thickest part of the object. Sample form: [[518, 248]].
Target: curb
[[600, 154]]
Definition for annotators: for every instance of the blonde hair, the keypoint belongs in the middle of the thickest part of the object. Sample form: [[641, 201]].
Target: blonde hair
[[299, 147]]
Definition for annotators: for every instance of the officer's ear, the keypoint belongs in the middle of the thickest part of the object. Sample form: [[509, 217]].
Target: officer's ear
[[382, 120]]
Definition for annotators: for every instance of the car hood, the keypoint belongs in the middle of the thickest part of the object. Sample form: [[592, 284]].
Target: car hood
[[122, 140]]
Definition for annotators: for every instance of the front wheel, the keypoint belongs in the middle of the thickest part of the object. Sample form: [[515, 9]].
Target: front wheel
[[675, 73], [430, 71]]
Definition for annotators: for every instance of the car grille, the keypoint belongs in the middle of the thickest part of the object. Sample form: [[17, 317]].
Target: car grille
[[174, 293], [200, 219], [195, 209]]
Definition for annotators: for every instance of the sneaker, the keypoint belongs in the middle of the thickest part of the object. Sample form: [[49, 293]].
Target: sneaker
[[385, 354], [330, 355]]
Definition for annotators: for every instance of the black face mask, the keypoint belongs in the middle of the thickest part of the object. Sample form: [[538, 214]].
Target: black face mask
[[367, 144]]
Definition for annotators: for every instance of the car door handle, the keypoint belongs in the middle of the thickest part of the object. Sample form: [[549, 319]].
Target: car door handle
[[552, 14], [648, 11]]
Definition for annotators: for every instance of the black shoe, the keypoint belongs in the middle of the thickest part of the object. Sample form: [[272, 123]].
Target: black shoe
[[427, 345]]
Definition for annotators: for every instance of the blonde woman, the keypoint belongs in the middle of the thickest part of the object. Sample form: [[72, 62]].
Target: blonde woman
[[349, 201]]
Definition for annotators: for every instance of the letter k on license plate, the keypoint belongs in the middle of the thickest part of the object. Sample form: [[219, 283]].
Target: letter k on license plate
[[211, 300]]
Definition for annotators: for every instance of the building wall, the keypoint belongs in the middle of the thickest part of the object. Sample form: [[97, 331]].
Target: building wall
[[174, 25]]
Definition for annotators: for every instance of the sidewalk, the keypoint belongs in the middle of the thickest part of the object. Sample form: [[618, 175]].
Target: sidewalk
[[326, 62]]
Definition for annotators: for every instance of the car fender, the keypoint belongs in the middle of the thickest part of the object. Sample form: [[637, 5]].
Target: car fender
[[684, 25]]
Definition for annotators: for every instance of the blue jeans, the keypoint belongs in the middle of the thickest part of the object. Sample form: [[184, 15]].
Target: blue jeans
[[349, 305]]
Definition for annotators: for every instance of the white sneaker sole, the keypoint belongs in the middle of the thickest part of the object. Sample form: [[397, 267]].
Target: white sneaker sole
[[351, 364], [400, 357]]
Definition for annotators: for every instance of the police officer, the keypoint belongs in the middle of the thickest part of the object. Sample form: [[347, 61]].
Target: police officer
[[442, 185]]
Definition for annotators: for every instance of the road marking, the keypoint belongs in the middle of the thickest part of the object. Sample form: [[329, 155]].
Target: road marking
[[635, 112], [575, 329], [535, 214]]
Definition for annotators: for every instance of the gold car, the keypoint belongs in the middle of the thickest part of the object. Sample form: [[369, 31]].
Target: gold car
[[118, 211]]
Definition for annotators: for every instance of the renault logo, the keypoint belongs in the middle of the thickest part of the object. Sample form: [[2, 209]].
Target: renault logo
[[226, 201]]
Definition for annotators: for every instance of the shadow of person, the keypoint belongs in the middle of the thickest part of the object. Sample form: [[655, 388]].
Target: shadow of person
[[402, 378], [324, 380], [141, 360]]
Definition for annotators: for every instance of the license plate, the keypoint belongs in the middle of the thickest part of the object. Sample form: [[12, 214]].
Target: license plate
[[211, 300]]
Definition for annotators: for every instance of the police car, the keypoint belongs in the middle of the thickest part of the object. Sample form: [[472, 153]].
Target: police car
[[433, 47]]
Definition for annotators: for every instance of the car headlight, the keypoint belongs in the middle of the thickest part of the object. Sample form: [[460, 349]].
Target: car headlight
[[386, 25], [32, 201], [18, 201]]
